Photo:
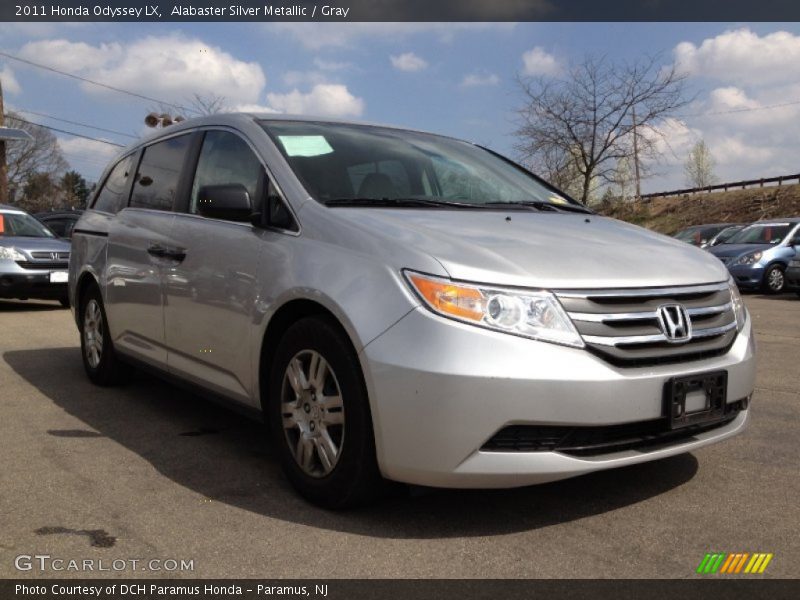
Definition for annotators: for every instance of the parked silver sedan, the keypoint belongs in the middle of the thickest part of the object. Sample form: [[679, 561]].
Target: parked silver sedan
[[404, 306]]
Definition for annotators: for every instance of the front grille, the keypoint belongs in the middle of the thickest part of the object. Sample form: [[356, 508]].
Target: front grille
[[621, 325], [51, 256], [597, 440], [27, 264]]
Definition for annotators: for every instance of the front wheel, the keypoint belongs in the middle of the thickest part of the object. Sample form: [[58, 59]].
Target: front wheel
[[99, 358], [320, 418], [774, 280]]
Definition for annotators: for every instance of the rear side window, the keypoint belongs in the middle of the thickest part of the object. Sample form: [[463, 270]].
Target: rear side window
[[156, 183], [111, 197], [226, 159]]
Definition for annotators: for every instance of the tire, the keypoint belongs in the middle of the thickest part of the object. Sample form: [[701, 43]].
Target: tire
[[326, 446], [99, 360], [774, 280]]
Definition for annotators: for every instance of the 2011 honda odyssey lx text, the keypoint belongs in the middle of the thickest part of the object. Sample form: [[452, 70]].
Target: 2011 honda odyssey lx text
[[404, 306]]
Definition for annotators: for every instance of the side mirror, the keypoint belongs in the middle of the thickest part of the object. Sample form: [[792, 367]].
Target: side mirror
[[229, 202]]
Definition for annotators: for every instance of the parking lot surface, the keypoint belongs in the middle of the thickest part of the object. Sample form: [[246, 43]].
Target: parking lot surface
[[148, 471]]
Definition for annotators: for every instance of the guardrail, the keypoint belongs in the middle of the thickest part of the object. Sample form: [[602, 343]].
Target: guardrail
[[724, 186]]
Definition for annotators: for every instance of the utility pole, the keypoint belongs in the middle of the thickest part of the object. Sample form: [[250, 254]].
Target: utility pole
[[3, 166], [636, 157]]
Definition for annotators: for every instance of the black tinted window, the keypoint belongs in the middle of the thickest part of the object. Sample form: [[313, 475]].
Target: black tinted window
[[226, 159], [156, 182], [59, 226], [111, 198]]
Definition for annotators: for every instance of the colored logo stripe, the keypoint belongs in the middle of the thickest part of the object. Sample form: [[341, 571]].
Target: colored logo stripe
[[734, 562]]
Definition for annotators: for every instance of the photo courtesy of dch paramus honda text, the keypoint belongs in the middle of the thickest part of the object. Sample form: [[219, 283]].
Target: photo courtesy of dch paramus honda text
[[403, 306]]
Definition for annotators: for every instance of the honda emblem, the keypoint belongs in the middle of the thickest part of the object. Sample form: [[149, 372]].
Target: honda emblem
[[674, 323]]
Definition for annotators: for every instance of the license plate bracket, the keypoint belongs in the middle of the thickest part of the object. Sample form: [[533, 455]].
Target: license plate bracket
[[715, 387]]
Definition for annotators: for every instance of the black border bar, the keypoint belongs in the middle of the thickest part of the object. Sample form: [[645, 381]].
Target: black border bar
[[401, 10], [733, 587]]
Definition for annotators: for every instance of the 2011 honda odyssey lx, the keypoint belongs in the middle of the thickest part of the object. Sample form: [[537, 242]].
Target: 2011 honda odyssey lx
[[404, 306]]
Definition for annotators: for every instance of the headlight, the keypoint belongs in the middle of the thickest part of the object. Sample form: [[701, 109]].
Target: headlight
[[533, 314], [739, 310], [10, 254], [749, 259]]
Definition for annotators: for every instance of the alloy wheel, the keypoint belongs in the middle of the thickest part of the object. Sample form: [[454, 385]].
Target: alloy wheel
[[775, 280], [313, 413], [93, 333]]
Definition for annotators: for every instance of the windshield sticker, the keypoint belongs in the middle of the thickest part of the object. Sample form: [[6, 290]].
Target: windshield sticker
[[305, 145]]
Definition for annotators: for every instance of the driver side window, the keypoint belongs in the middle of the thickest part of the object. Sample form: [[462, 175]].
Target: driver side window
[[226, 159]]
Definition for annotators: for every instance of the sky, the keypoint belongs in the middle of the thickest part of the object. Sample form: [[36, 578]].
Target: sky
[[453, 78]]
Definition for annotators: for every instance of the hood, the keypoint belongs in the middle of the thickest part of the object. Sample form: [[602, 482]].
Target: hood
[[32, 244], [728, 250], [550, 250]]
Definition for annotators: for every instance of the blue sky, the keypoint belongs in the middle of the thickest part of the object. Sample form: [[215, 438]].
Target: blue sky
[[451, 78]]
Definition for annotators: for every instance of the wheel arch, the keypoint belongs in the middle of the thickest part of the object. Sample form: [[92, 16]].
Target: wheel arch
[[86, 279], [283, 318]]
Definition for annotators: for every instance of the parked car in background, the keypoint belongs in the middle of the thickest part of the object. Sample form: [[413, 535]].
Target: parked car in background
[[701, 235], [33, 260], [61, 222], [724, 235], [758, 255], [793, 275], [403, 305]]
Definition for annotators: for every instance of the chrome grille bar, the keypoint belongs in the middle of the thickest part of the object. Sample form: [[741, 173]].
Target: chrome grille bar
[[635, 316], [652, 339]]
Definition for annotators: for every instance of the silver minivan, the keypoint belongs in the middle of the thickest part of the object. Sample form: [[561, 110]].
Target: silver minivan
[[404, 306]]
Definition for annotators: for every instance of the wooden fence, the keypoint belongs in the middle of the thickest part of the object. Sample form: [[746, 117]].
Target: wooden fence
[[725, 186]]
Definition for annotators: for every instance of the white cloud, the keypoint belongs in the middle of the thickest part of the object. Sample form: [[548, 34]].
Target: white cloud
[[408, 61], [537, 61], [324, 99], [322, 35], [743, 57], [172, 67], [90, 156], [254, 108], [480, 79], [9, 81]]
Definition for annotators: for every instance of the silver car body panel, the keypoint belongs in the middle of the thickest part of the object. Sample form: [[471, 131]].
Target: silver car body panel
[[438, 388]]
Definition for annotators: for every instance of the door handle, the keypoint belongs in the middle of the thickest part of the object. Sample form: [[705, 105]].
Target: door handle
[[159, 251]]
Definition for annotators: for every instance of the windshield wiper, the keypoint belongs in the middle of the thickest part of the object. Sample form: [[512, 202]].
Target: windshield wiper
[[398, 202], [545, 206]]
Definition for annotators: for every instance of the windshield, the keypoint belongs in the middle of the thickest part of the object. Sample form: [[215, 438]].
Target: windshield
[[727, 234], [340, 163], [762, 233], [689, 235], [22, 225]]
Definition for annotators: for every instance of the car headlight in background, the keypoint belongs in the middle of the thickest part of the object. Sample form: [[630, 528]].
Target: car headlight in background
[[739, 310], [534, 314], [749, 259], [7, 253]]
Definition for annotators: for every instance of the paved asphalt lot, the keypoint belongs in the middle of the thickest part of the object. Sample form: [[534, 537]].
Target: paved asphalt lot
[[148, 471]]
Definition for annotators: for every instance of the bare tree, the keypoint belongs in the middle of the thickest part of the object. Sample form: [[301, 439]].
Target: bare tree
[[27, 159], [699, 166], [588, 113], [208, 105]]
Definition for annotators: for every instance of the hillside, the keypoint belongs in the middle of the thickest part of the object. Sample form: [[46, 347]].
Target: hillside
[[671, 214]]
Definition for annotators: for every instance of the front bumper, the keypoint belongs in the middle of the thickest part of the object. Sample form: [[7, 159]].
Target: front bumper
[[747, 277], [441, 389], [22, 283], [792, 275]]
